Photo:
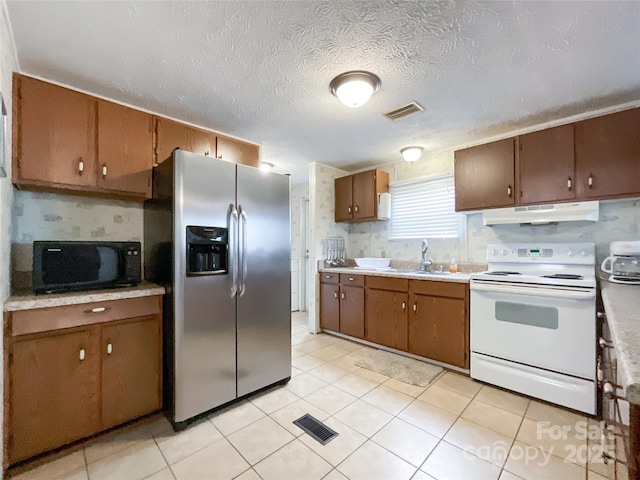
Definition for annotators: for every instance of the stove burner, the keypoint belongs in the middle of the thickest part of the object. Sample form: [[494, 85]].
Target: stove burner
[[504, 273], [564, 276]]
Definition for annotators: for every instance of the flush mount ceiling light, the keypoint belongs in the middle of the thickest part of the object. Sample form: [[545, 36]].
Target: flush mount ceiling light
[[266, 166], [354, 88], [411, 154]]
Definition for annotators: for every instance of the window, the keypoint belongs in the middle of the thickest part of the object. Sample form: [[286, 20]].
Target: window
[[424, 209]]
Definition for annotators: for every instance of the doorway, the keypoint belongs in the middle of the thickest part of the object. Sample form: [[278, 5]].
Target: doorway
[[303, 275]]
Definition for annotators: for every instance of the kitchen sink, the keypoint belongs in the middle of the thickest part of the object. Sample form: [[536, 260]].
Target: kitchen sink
[[421, 272]]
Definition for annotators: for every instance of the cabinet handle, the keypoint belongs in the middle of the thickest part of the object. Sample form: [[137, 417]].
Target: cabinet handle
[[604, 344], [206, 153], [608, 389], [97, 310], [349, 209], [104, 170], [357, 208], [569, 184], [599, 371], [109, 348], [327, 276], [335, 294], [219, 157], [590, 181], [342, 296], [601, 315], [509, 190], [81, 354], [415, 307], [80, 166], [404, 306], [351, 279]]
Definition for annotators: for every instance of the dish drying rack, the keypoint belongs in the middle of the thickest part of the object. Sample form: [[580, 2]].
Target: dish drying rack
[[334, 252]]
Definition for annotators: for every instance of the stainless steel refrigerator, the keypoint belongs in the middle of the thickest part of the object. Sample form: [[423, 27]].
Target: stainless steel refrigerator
[[217, 236]]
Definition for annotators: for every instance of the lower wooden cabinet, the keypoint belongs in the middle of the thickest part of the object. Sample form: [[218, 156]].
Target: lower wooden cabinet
[[438, 325], [423, 317], [342, 304], [386, 302], [66, 384]]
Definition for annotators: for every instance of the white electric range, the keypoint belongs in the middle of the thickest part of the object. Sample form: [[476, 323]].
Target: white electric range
[[533, 322]]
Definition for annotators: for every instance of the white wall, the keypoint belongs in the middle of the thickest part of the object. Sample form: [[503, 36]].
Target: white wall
[[619, 220], [8, 64], [322, 225]]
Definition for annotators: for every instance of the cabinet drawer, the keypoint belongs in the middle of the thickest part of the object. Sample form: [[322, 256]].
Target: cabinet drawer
[[353, 280], [24, 322], [439, 289], [329, 277], [386, 283]]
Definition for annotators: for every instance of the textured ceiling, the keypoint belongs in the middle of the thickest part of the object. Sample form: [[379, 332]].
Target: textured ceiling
[[260, 70]]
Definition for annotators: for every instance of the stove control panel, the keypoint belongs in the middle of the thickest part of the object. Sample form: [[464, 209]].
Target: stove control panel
[[579, 253], [535, 252]]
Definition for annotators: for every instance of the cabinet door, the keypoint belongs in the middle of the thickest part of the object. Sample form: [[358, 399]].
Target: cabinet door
[[437, 329], [55, 134], [484, 176], [547, 166], [169, 136], [203, 142], [386, 318], [131, 375], [125, 151], [608, 155], [352, 311], [364, 195], [344, 199], [238, 152], [330, 307], [54, 392]]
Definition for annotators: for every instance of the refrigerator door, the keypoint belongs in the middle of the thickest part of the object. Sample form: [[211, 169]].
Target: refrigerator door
[[264, 295], [204, 325]]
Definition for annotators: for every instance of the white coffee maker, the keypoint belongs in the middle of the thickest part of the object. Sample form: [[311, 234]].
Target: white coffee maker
[[623, 263]]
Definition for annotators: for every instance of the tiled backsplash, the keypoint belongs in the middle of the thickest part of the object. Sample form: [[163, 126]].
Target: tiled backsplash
[[48, 216]]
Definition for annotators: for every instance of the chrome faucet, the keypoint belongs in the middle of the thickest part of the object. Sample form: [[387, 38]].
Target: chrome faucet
[[425, 263]]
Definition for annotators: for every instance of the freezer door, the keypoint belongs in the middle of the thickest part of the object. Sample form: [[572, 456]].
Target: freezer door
[[204, 327], [264, 296]]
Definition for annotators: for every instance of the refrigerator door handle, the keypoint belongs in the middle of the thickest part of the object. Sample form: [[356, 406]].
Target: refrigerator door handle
[[243, 256], [232, 216]]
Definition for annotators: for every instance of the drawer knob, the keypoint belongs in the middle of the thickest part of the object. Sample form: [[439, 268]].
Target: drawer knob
[[608, 389], [327, 276], [351, 279], [81, 354]]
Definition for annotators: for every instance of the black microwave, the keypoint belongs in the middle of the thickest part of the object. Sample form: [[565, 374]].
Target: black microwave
[[77, 266]]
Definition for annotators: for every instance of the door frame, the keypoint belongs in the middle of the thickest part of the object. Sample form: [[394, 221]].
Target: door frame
[[303, 269]]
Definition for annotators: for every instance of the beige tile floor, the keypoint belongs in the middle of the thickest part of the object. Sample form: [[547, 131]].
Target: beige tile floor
[[454, 429]]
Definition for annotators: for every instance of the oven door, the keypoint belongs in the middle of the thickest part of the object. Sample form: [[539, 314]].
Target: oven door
[[539, 326]]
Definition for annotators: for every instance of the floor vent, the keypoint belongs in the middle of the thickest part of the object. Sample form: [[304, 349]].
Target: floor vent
[[314, 427], [404, 111]]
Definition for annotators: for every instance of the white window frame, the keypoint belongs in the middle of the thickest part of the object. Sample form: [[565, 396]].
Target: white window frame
[[422, 224]]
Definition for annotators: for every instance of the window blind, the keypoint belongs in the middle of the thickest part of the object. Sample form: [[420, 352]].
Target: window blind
[[424, 209]]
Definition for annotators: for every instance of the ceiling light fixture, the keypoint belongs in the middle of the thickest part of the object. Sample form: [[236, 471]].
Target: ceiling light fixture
[[411, 154], [266, 166], [355, 88]]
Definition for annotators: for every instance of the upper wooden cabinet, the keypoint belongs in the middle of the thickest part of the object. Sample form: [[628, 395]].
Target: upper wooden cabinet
[[593, 159], [485, 176], [66, 140], [171, 135], [236, 151], [356, 196], [608, 155], [54, 135], [546, 163], [124, 149]]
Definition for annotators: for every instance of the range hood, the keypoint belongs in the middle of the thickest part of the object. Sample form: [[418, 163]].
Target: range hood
[[543, 214]]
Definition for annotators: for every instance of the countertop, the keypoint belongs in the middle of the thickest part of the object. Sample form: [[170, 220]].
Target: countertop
[[622, 306], [29, 301], [399, 273]]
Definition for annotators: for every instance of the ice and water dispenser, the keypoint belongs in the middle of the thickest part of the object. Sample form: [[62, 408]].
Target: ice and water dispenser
[[207, 251]]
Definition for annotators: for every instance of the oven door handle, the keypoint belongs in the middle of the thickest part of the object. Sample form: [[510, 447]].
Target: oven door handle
[[540, 292]]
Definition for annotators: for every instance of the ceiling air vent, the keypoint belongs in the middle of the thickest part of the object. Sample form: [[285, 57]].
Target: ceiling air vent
[[404, 111]]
